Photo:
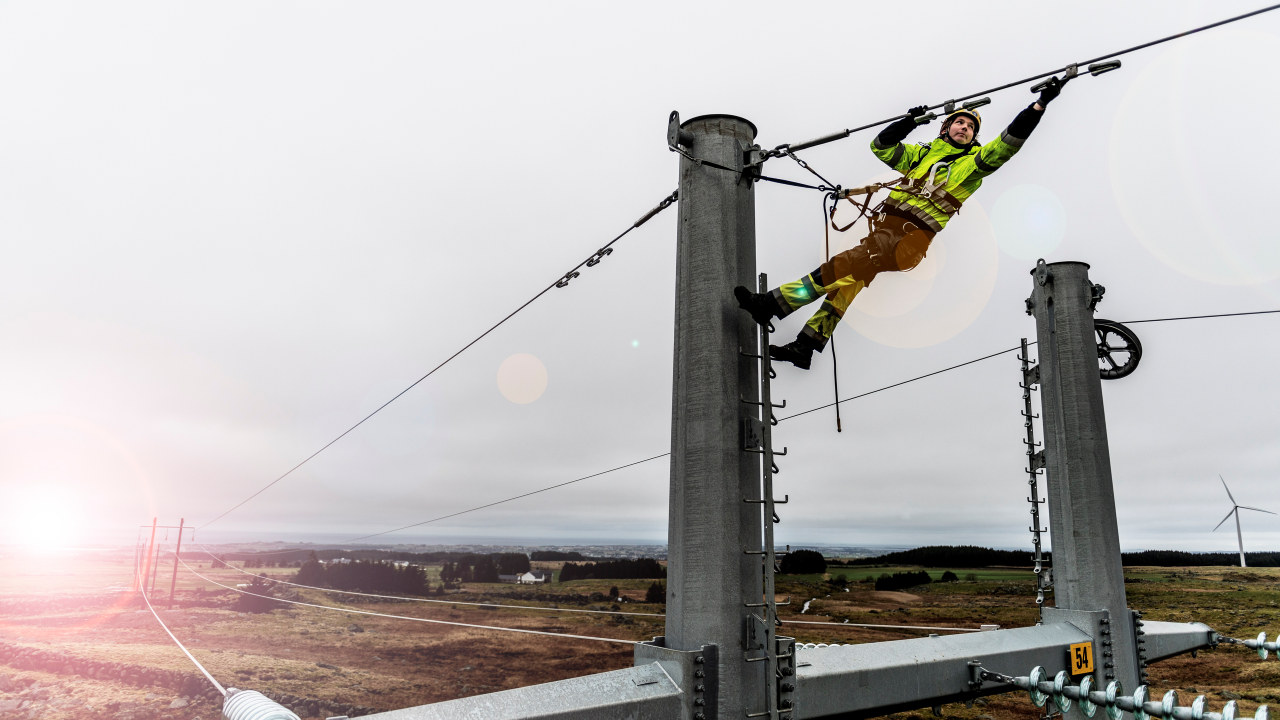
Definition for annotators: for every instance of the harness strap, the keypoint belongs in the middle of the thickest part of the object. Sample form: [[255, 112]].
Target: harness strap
[[947, 159]]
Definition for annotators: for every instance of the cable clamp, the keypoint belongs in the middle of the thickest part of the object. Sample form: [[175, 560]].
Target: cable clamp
[[600, 255]]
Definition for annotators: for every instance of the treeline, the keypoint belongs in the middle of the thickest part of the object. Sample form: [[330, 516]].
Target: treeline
[[556, 555], [802, 562], [484, 568], [902, 580], [947, 556], [295, 558], [364, 576], [970, 556], [613, 570], [1177, 558]]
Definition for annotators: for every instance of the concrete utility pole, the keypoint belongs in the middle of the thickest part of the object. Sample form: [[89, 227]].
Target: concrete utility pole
[[710, 578], [1087, 571]]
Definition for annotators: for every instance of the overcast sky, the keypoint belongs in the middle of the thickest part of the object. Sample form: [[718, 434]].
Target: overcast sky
[[232, 230]]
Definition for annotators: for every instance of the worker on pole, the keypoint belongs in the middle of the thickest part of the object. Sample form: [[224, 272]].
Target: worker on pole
[[939, 176]]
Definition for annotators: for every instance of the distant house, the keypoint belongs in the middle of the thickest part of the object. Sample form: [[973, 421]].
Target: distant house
[[529, 578]]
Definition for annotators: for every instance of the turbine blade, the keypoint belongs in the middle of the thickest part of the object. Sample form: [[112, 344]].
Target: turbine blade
[[1246, 507], [1224, 487], [1228, 517]]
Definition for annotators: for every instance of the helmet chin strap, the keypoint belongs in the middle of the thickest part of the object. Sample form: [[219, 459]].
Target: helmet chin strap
[[945, 134]]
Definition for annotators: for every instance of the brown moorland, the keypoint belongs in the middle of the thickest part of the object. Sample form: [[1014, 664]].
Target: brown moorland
[[75, 642]]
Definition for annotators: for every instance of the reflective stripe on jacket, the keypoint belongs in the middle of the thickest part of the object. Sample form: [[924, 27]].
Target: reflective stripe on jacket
[[960, 180]]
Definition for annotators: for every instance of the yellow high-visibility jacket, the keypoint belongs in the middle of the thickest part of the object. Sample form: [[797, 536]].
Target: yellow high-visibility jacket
[[960, 179]]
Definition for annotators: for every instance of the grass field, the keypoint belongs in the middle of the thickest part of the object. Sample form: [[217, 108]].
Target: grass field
[[75, 609]]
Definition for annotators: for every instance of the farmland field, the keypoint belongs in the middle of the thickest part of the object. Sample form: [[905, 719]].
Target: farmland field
[[76, 643]]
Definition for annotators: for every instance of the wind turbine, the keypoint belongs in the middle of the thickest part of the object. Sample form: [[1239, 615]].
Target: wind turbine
[[1235, 510]]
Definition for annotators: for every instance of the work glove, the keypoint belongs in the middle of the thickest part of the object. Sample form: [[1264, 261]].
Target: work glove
[[898, 130], [1050, 91]]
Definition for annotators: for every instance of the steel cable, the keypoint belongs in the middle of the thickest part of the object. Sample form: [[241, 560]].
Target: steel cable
[[785, 148], [183, 648], [561, 282], [507, 500], [804, 412], [1202, 317]]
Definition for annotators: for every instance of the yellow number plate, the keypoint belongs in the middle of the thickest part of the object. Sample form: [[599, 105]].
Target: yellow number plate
[[1081, 658]]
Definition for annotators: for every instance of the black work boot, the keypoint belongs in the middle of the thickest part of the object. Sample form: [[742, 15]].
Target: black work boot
[[798, 352], [760, 305]]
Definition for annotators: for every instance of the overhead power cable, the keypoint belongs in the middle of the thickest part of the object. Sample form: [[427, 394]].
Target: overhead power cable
[[899, 384], [883, 627], [353, 611], [564, 280], [781, 149], [183, 648], [507, 500], [433, 600], [803, 412], [1202, 317]]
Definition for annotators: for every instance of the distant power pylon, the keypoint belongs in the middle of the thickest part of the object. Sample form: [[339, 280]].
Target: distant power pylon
[[148, 563]]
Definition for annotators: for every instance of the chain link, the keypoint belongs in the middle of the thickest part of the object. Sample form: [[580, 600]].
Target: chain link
[[607, 250]]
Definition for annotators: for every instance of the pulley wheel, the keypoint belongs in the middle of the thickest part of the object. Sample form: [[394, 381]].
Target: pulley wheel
[[1118, 349]]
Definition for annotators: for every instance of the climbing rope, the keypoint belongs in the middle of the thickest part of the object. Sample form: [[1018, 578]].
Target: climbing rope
[[826, 239]]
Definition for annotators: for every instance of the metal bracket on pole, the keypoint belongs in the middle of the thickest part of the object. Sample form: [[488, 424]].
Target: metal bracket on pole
[[1031, 376], [693, 670], [1037, 462], [752, 433], [675, 136], [1095, 295], [784, 678]]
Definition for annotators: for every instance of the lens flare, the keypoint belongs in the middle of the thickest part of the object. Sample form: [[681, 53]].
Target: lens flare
[[62, 473], [43, 517], [522, 378], [60, 463], [1029, 221], [939, 298], [1192, 186]]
